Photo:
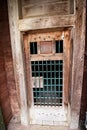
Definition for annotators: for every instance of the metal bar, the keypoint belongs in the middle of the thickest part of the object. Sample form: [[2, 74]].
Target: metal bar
[[47, 97], [51, 78], [59, 46], [55, 80], [39, 82], [33, 48], [49, 63], [47, 91], [43, 81], [59, 83], [35, 79], [53, 84], [51, 93], [62, 81], [47, 80]]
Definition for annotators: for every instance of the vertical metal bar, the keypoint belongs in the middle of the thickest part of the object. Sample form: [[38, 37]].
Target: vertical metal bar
[[47, 83], [62, 81], [59, 82], [39, 83], [59, 46], [55, 79], [51, 82], [35, 82], [44, 85], [33, 48], [43, 80]]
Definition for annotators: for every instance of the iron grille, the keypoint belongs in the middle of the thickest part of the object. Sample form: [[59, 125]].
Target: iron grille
[[47, 79]]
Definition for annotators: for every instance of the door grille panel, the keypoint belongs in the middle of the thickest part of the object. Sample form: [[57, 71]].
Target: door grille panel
[[47, 82]]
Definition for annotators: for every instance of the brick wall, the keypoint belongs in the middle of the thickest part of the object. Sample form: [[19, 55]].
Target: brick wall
[[84, 93], [84, 89], [4, 95], [7, 81]]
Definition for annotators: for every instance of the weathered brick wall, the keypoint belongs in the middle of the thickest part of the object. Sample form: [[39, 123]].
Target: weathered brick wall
[[7, 81], [84, 89], [4, 95], [84, 93]]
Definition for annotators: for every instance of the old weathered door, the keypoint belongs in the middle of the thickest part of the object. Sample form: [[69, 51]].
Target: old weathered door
[[47, 68]]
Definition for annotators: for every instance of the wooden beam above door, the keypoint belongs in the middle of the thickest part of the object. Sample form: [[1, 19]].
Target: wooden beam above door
[[46, 22]]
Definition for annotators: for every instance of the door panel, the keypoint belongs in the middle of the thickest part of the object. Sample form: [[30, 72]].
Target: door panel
[[47, 71]]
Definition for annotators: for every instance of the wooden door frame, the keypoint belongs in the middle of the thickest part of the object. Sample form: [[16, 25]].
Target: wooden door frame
[[64, 35], [77, 22], [65, 56]]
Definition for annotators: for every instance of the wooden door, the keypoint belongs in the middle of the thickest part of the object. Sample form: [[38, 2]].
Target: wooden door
[[47, 72]]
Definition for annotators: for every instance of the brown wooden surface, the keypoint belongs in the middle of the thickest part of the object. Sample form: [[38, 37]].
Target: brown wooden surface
[[18, 61], [46, 7], [72, 6], [46, 57], [47, 36], [28, 70], [29, 2], [46, 22], [45, 47], [66, 66], [78, 48], [78, 61], [65, 56]]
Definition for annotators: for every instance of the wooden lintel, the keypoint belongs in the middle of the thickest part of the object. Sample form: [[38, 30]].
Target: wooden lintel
[[46, 22]]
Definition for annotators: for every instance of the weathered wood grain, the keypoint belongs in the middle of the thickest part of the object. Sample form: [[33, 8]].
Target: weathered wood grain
[[46, 22], [30, 2], [67, 67], [44, 36], [78, 48], [78, 62], [46, 57], [28, 70], [45, 9], [72, 6], [18, 62]]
